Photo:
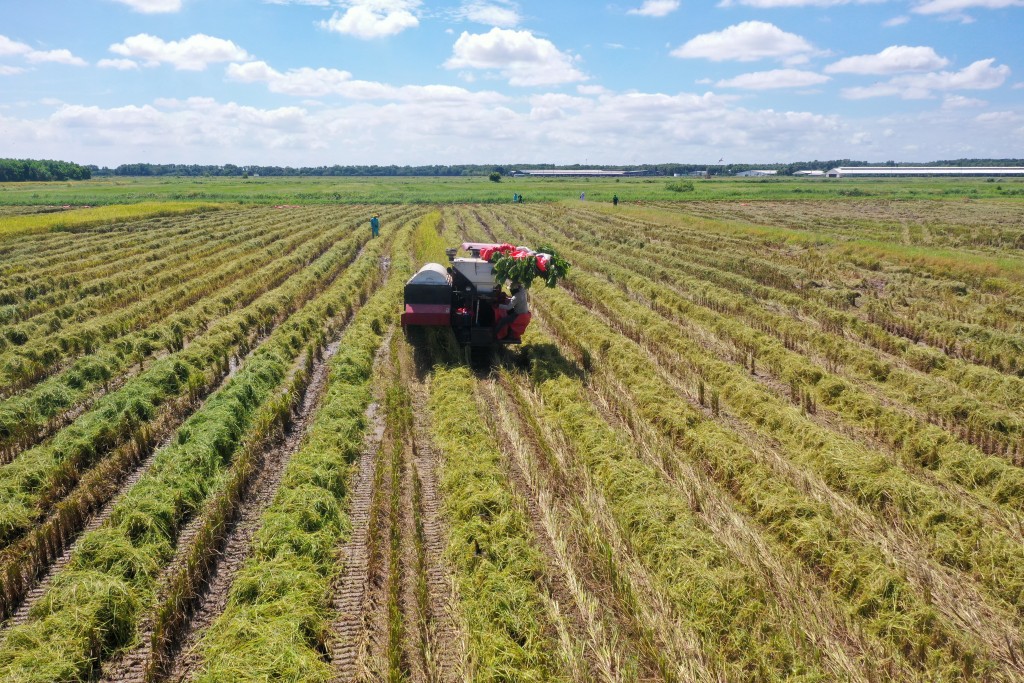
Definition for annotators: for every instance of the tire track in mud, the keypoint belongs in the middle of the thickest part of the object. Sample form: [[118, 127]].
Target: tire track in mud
[[143, 662], [352, 595], [238, 545], [131, 667], [444, 648], [367, 601]]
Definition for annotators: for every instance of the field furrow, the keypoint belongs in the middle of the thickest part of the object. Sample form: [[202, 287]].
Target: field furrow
[[100, 253], [703, 278], [599, 640], [263, 614], [217, 448], [231, 552], [130, 335], [61, 462], [729, 466], [150, 271], [741, 440], [33, 416], [442, 644]]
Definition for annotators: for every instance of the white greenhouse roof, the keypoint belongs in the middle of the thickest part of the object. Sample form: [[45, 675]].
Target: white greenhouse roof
[[925, 171]]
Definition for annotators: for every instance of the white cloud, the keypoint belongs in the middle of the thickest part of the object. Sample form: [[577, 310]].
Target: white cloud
[[612, 128], [55, 57], [891, 60], [961, 102], [521, 57], [153, 6], [12, 48], [194, 53], [958, 6], [368, 19], [303, 82], [772, 4], [119, 64], [656, 8], [745, 42], [500, 14], [307, 82], [10, 70], [981, 75], [778, 78], [999, 117], [896, 21]]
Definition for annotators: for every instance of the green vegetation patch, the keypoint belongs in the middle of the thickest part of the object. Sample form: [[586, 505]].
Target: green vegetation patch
[[86, 217], [277, 618], [491, 546]]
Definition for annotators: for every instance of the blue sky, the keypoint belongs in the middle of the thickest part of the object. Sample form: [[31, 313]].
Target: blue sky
[[310, 82]]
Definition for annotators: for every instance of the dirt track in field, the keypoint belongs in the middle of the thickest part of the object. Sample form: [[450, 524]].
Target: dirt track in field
[[445, 644], [350, 594], [396, 492], [235, 550], [239, 543]]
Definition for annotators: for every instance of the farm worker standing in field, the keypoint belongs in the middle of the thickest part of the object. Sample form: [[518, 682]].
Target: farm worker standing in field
[[583, 196], [375, 226], [518, 305], [615, 200]]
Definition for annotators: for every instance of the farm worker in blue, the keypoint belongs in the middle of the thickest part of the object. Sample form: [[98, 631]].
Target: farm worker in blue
[[375, 226]]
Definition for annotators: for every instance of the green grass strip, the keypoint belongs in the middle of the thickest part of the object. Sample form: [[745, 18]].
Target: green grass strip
[[727, 605], [93, 607], [877, 594], [73, 219], [497, 563], [276, 622]]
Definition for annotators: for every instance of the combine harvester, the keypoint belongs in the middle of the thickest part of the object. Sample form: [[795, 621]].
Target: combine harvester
[[466, 296]]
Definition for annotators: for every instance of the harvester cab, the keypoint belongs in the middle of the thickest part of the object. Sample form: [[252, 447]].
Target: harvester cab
[[464, 296]]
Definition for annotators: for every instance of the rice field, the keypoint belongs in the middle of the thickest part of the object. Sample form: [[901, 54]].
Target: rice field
[[744, 440]]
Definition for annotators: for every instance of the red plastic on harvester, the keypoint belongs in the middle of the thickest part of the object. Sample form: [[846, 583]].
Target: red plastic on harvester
[[427, 315], [518, 326]]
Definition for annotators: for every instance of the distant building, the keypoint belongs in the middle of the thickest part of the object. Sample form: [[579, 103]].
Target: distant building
[[578, 173], [748, 174], [809, 174], [923, 171]]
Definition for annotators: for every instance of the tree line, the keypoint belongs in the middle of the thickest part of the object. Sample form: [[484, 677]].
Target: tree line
[[669, 169], [15, 170], [21, 170]]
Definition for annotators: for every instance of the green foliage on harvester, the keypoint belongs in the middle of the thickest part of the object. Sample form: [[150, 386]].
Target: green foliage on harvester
[[546, 264]]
